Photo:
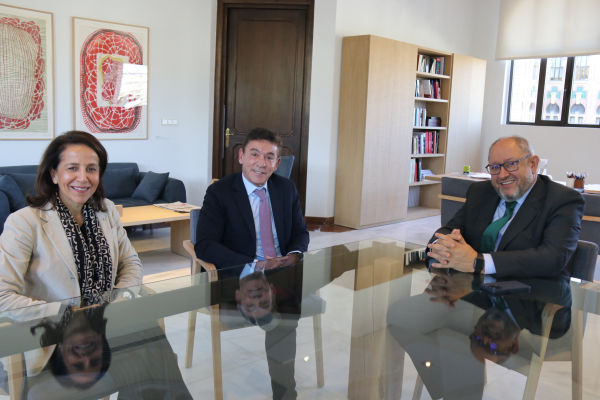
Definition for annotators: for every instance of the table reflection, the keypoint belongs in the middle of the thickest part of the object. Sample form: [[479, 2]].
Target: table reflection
[[451, 329], [271, 300], [81, 353], [77, 361]]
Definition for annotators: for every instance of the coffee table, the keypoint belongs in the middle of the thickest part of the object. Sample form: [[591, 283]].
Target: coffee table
[[180, 223]]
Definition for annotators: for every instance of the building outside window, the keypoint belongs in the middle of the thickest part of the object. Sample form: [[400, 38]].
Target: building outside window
[[559, 91], [582, 68], [556, 69]]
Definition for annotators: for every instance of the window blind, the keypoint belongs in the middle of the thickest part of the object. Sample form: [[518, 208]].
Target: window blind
[[547, 28]]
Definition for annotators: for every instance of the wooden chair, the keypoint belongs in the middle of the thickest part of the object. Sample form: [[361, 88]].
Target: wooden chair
[[217, 326]]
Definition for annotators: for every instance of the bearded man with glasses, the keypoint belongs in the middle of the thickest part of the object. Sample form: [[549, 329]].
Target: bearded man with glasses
[[519, 224]]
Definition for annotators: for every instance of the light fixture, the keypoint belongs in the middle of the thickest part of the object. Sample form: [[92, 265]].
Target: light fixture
[[306, 358]]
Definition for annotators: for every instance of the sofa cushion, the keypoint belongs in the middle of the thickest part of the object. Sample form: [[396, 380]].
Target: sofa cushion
[[25, 182], [151, 186], [10, 188], [129, 202], [119, 183]]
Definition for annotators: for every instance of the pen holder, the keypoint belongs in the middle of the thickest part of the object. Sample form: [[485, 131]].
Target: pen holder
[[570, 182], [579, 183]]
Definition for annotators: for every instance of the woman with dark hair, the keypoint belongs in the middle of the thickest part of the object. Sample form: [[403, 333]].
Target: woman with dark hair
[[69, 242]]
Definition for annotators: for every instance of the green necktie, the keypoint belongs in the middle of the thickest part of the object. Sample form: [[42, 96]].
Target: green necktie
[[488, 240], [499, 302]]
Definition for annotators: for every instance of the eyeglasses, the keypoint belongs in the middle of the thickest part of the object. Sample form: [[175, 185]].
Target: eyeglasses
[[509, 166], [490, 347]]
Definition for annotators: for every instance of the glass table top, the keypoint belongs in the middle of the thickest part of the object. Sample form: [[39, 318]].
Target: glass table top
[[363, 320]]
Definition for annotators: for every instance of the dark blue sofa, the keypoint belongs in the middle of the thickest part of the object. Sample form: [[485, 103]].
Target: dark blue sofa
[[120, 181]]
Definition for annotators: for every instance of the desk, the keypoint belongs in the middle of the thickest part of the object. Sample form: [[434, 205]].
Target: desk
[[375, 311], [180, 223], [454, 190]]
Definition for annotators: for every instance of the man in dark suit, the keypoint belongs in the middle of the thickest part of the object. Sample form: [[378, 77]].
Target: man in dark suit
[[253, 219], [519, 224], [230, 231]]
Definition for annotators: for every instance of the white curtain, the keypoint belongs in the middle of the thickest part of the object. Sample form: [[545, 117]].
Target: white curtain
[[548, 28]]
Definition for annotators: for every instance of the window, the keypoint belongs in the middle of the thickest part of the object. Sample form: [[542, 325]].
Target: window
[[577, 110], [582, 68], [559, 91], [556, 69], [536, 70]]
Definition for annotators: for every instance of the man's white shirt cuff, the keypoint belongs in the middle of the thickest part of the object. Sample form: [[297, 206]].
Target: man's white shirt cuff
[[490, 268]]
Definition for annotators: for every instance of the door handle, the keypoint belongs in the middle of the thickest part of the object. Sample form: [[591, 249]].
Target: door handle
[[227, 134]]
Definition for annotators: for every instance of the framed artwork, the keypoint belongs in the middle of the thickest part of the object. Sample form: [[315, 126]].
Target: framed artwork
[[111, 79], [26, 74]]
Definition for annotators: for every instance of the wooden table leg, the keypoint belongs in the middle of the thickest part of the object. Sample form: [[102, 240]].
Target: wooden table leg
[[180, 231]]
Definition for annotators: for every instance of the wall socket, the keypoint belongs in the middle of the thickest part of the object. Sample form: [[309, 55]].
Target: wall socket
[[169, 122]]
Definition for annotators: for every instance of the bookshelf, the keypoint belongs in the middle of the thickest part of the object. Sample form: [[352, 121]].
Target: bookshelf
[[422, 196], [431, 100], [425, 155], [377, 122]]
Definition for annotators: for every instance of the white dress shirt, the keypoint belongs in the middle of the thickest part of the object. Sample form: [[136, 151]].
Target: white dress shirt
[[490, 268], [255, 204]]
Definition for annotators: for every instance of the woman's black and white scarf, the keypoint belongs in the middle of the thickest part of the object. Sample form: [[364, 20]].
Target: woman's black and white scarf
[[90, 249]]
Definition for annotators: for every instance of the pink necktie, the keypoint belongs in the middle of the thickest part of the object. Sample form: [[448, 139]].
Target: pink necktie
[[266, 231]]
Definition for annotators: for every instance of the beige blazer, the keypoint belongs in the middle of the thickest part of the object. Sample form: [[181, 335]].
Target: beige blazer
[[37, 263]]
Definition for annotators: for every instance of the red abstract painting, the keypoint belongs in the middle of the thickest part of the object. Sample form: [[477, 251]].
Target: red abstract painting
[[101, 67]]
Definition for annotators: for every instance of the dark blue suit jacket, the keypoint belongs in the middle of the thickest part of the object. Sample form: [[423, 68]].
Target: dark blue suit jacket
[[540, 240], [226, 236]]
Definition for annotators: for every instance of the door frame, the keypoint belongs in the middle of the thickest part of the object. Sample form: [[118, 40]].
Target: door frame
[[220, 81]]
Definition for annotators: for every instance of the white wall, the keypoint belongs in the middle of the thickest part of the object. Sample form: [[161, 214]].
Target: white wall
[[181, 67], [566, 149], [322, 142], [182, 45]]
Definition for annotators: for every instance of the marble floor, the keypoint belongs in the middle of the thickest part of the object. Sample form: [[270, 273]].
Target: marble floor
[[245, 373]]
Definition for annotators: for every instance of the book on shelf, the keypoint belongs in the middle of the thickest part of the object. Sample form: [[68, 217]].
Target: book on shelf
[[430, 64], [419, 116], [420, 113], [425, 172], [428, 88], [434, 121], [417, 173], [425, 142]]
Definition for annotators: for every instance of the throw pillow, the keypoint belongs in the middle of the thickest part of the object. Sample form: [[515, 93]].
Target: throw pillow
[[119, 183], [9, 187], [151, 186], [26, 182]]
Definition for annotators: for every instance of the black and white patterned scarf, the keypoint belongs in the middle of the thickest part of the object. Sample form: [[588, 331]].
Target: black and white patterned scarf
[[90, 249]]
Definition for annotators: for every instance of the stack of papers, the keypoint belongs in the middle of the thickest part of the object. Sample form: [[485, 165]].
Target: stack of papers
[[594, 189], [480, 175], [178, 207]]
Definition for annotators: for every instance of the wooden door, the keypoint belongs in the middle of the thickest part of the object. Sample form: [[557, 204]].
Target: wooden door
[[265, 83]]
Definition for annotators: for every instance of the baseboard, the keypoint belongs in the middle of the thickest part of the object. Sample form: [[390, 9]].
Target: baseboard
[[318, 220]]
